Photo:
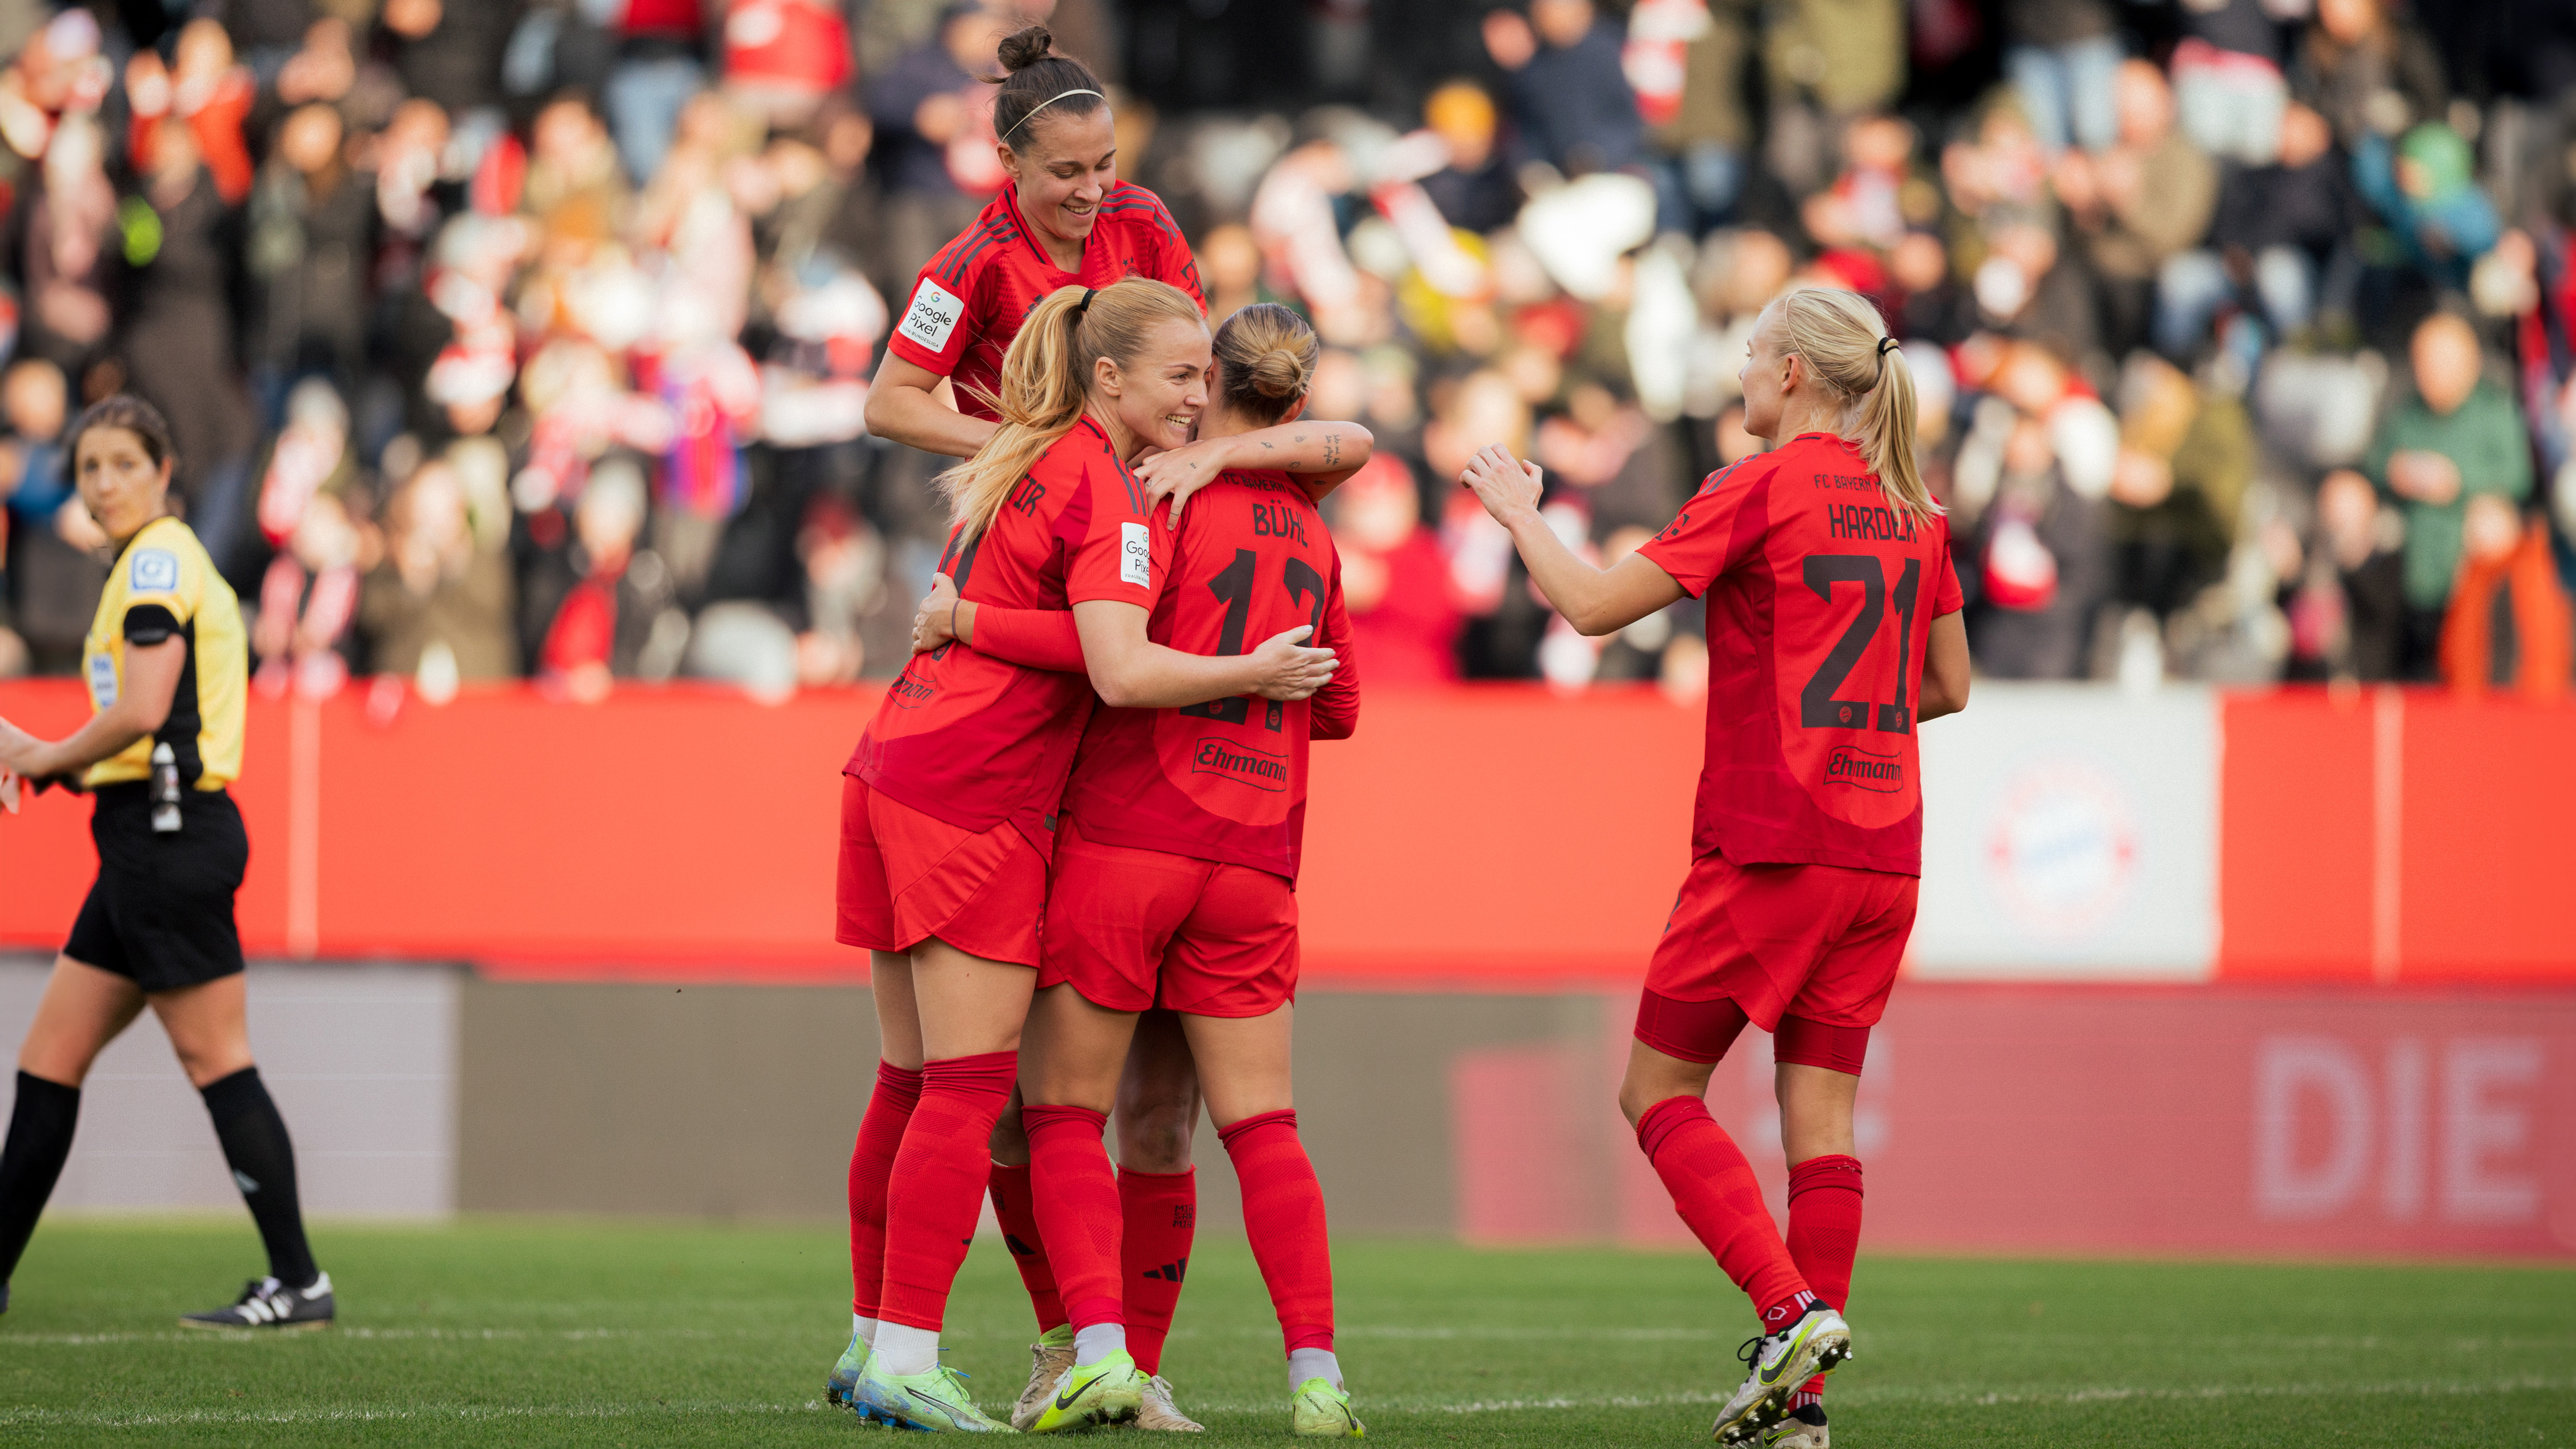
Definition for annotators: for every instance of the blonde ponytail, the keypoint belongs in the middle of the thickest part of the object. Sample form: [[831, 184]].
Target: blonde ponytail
[[1046, 379], [1848, 348]]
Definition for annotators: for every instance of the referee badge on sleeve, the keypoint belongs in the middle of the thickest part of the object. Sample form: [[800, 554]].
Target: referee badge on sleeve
[[155, 571]]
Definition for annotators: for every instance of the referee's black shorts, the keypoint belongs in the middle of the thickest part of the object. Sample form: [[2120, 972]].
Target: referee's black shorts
[[161, 914]]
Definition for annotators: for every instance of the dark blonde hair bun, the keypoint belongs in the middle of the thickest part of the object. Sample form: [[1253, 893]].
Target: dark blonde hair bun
[[1279, 373], [1265, 357]]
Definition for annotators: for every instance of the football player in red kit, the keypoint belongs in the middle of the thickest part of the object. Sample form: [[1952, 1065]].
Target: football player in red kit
[[1063, 219], [1173, 887], [1833, 630], [949, 809]]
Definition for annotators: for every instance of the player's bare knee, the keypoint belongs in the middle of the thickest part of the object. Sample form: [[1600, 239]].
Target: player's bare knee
[[1156, 1140], [63, 1066], [1009, 1143]]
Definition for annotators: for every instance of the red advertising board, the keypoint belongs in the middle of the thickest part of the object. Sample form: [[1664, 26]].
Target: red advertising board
[[2198, 1120], [1472, 838]]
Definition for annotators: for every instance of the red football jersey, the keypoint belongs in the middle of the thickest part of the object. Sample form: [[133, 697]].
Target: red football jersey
[[1820, 605], [1226, 780], [975, 740], [969, 302]]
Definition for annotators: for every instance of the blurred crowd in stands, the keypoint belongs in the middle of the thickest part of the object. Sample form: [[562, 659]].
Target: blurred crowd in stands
[[531, 338]]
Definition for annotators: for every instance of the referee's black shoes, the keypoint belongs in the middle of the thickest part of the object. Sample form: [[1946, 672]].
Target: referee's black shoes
[[267, 1303]]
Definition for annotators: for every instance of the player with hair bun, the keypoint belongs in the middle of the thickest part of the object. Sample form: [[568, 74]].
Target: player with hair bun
[[949, 808], [1063, 219], [1173, 882], [1833, 631]]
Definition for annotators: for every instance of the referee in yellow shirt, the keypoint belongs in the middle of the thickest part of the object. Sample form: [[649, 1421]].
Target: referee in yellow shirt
[[167, 666]]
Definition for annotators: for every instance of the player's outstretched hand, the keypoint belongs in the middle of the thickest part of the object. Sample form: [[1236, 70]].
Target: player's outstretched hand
[[1288, 670], [15, 745], [932, 622], [8, 792], [1181, 472], [1504, 484]]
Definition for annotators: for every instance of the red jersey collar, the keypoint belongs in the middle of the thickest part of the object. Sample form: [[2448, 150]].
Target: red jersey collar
[[1029, 236]]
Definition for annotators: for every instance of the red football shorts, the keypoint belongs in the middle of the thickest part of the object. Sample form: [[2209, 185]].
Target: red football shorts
[[906, 877], [1133, 929], [1806, 951]]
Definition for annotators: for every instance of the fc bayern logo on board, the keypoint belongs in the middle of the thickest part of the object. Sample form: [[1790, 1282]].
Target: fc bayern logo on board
[[2061, 847]]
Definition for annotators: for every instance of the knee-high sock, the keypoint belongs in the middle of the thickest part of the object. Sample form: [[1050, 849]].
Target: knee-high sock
[[1077, 1202], [872, 1156], [1283, 1214], [40, 1137], [1714, 1189], [1824, 1224], [262, 1158], [1824, 1229], [1159, 1212], [938, 1188], [1017, 1212]]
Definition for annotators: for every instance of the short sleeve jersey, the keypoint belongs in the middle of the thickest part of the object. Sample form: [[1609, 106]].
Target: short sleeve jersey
[[977, 741], [165, 586], [969, 302], [1224, 780], [1821, 597]]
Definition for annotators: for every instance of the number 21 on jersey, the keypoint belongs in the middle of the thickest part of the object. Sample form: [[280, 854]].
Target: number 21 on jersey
[[1832, 577]]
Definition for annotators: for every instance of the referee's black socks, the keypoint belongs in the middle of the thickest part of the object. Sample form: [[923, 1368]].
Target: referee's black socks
[[40, 1137], [263, 1164]]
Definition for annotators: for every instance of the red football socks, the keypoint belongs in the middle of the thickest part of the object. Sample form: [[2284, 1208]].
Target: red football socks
[[1159, 1210], [1714, 1190], [1824, 1224], [871, 1170], [1077, 1201], [1824, 1229], [1283, 1214], [939, 1179], [1018, 1214]]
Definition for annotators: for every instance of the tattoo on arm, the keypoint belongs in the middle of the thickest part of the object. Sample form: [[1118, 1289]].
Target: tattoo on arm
[[1332, 449]]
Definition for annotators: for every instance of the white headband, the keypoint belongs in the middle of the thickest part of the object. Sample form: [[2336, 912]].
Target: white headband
[[1042, 105]]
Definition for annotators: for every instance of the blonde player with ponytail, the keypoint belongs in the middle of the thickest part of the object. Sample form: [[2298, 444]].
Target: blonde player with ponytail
[[1833, 631], [949, 803]]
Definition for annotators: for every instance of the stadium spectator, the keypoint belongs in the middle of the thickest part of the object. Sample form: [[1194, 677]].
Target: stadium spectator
[[2141, 206], [670, 229], [1828, 62], [2369, 70], [2347, 605], [2063, 57], [2508, 627], [2425, 190], [2277, 229], [1569, 94], [438, 608], [310, 242], [54, 575], [2227, 74], [928, 124], [2452, 435]]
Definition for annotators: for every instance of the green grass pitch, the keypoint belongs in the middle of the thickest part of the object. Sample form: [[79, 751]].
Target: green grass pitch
[[513, 1332]]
